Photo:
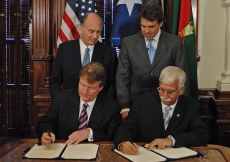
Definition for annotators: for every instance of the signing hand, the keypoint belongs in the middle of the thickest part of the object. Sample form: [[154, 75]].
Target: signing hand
[[78, 136], [160, 143], [48, 138], [129, 148]]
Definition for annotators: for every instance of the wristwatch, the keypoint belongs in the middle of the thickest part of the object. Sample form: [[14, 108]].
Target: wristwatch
[[171, 138]]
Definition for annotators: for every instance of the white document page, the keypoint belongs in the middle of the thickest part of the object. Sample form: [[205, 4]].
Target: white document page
[[143, 155], [81, 151], [175, 153], [45, 152]]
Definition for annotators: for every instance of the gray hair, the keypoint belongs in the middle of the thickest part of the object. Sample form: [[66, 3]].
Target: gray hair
[[170, 74]]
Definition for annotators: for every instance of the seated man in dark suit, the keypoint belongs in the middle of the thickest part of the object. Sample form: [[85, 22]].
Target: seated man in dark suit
[[165, 119], [83, 113]]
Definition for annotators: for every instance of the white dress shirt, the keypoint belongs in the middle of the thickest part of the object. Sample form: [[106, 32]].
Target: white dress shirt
[[89, 110], [82, 50], [155, 40], [171, 113]]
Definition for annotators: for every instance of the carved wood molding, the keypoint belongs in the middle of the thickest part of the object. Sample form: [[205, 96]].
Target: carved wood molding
[[225, 3], [40, 27]]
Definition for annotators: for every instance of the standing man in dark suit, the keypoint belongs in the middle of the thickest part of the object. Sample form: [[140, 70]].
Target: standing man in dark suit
[[137, 72], [164, 119], [83, 113], [70, 57]]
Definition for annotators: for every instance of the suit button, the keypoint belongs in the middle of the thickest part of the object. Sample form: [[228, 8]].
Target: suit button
[[151, 73]]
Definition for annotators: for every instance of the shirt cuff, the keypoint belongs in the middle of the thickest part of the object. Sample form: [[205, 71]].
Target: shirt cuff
[[120, 145], [173, 140], [125, 109], [90, 138]]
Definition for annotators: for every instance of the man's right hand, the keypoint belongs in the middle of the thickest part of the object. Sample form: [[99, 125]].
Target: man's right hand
[[77, 137], [124, 114], [47, 139], [129, 148]]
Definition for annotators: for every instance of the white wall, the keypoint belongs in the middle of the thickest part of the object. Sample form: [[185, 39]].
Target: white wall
[[211, 42]]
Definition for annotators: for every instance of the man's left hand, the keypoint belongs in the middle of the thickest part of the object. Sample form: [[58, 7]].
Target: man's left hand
[[77, 137], [160, 143]]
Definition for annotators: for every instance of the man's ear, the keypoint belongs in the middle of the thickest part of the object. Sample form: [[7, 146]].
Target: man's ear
[[101, 88], [81, 26], [161, 24], [182, 90]]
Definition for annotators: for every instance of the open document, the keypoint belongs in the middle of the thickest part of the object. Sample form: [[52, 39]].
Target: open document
[[165, 154], [143, 155], [61, 151]]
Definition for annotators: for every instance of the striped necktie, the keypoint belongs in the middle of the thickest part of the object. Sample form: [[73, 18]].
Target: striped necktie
[[151, 51], [83, 120], [166, 116], [86, 58]]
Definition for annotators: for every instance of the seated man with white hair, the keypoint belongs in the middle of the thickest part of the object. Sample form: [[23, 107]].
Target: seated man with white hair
[[167, 119]]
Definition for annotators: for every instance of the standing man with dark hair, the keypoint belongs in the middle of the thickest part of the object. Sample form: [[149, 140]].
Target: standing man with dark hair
[[73, 55], [81, 113], [163, 119], [144, 55]]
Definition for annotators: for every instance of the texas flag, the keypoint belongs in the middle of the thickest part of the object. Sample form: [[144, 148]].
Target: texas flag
[[126, 20]]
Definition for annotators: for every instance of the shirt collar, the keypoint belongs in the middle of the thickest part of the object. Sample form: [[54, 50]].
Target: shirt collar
[[91, 103], [172, 106], [157, 36], [83, 46]]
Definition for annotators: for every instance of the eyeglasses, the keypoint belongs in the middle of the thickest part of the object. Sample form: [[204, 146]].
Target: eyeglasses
[[169, 92]]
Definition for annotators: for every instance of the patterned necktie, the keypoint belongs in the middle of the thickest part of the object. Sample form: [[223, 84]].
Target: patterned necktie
[[83, 120], [151, 51], [86, 58], [166, 116]]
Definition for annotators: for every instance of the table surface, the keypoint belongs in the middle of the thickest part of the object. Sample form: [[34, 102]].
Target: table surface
[[12, 151]]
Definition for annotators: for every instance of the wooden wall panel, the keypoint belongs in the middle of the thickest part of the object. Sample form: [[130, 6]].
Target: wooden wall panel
[[46, 21], [57, 13]]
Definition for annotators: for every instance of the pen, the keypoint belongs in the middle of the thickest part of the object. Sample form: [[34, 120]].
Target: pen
[[50, 136], [129, 139], [200, 155], [26, 150]]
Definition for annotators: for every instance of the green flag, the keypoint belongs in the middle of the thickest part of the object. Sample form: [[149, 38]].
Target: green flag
[[187, 32], [175, 18]]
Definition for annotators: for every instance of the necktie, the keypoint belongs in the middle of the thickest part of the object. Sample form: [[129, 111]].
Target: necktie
[[83, 120], [86, 58], [151, 51], [166, 116]]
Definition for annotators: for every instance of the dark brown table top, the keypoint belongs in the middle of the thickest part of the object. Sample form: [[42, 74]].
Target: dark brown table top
[[12, 151]]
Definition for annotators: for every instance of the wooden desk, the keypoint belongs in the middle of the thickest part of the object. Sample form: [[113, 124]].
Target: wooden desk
[[12, 151]]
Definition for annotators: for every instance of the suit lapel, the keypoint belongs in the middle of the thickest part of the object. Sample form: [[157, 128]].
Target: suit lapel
[[158, 116], [96, 115], [142, 50], [76, 53], [72, 111], [162, 47], [97, 54], [177, 116]]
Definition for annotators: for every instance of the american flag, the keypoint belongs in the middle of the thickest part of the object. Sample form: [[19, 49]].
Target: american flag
[[74, 11]]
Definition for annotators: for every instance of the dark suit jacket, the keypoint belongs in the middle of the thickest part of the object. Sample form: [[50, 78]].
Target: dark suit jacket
[[135, 75], [68, 64], [145, 122], [62, 117]]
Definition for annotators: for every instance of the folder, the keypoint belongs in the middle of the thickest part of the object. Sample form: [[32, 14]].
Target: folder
[[166, 154], [61, 151]]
